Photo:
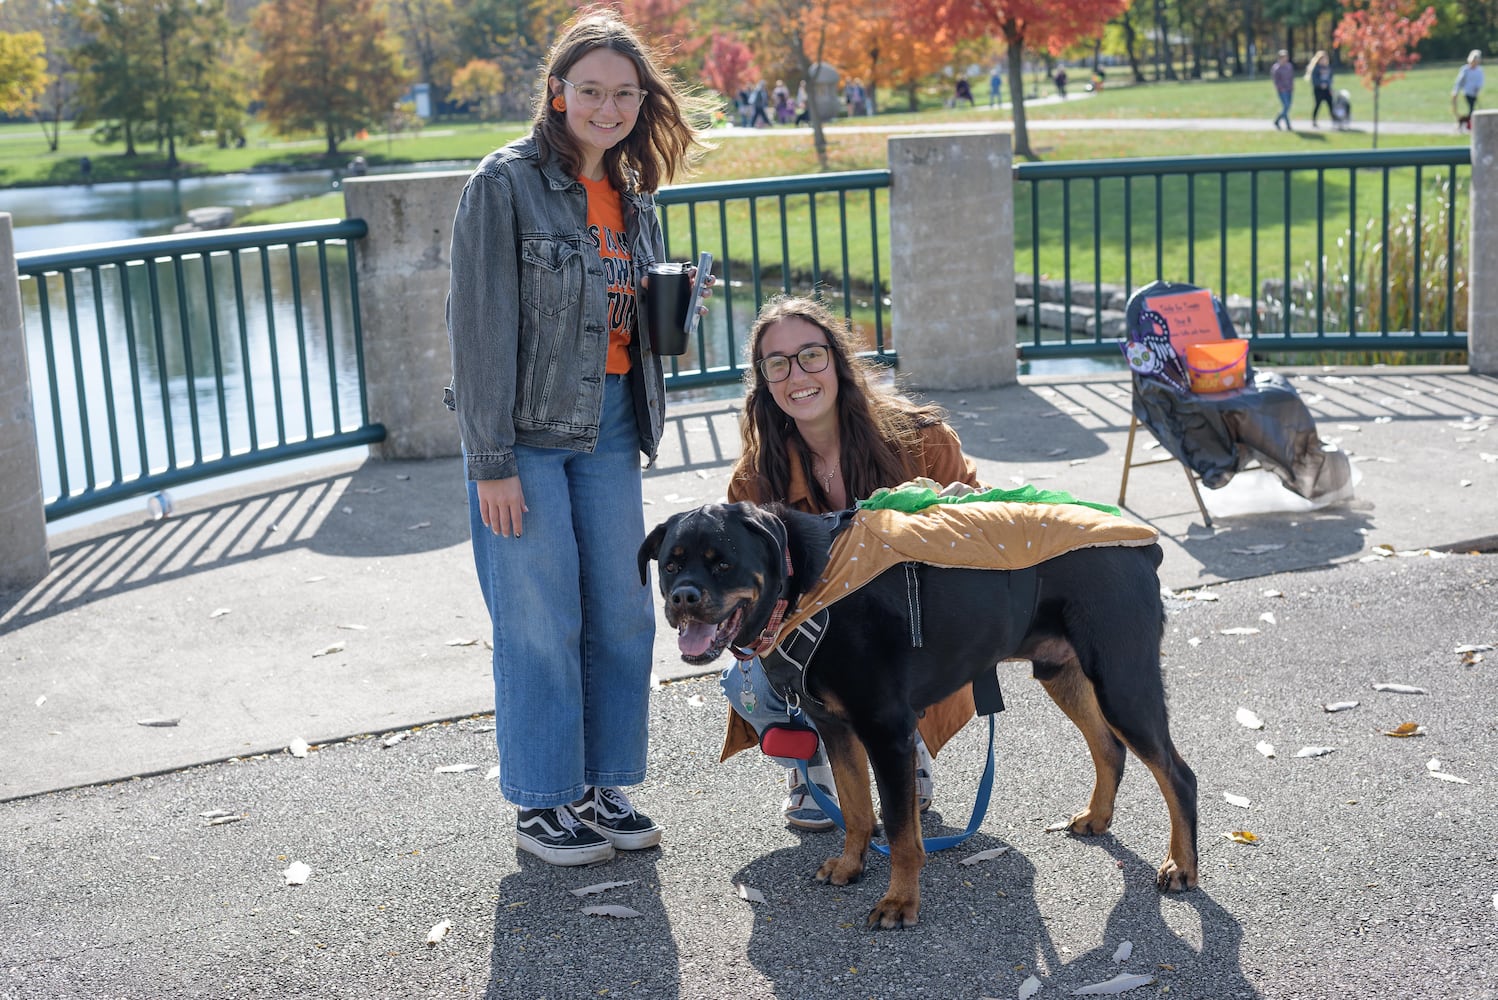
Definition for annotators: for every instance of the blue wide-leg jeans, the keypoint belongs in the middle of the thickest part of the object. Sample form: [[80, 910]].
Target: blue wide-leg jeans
[[574, 629]]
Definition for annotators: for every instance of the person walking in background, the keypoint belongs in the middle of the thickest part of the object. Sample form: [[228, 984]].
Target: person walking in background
[[818, 435], [1319, 76], [759, 99], [1283, 75], [1468, 85], [552, 236], [995, 86], [803, 105], [1060, 81], [964, 93], [781, 97], [856, 98]]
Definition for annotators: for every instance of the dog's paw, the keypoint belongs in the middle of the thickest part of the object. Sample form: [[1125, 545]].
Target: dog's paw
[[1175, 878], [894, 913], [839, 871], [1089, 823]]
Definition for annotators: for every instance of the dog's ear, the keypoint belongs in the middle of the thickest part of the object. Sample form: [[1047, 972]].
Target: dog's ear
[[651, 549], [771, 530]]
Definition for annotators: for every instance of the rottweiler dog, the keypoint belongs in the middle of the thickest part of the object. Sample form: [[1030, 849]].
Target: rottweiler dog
[[1092, 637]]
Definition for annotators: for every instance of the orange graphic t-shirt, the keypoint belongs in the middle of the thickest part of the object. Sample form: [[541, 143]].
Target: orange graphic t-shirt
[[606, 229]]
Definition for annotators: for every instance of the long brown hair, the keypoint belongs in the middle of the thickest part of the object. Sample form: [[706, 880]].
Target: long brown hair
[[879, 430], [663, 143]]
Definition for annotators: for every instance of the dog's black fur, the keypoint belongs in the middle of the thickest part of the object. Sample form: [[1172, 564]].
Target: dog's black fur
[[1094, 643]]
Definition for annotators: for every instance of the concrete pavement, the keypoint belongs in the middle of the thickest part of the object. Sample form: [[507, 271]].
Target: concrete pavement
[[330, 605]]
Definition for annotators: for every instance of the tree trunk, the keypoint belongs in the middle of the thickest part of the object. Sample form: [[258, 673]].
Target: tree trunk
[[1017, 95], [332, 137], [1375, 115], [1130, 35]]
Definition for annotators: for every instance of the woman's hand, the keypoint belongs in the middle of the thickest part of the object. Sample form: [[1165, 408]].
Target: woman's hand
[[502, 505]]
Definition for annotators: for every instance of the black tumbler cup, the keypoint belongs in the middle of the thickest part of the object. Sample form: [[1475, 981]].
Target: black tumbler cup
[[667, 297]]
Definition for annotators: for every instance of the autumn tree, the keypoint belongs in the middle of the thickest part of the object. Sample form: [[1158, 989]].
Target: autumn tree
[[1052, 25], [729, 64], [23, 72], [798, 30], [1381, 36], [328, 65], [429, 30], [52, 20], [886, 45], [480, 82]]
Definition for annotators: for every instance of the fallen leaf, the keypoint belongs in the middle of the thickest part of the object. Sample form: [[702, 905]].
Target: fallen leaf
[[1406, 729], [988, 855], [355, 628], [216, 813], [41, 701], [159, 723], [748, 892], [1272, 593], [492, 774], [1240, 630], [1315, 751], [455, 768], [1243, 837], [218, 612], [1267, 749], [1124, 950], [1268, 618], [1400, 689], [1476, 647], [438, 932], [463, 642], [696, 701], [393, 739], [297, 873], [622, 912], [1031, 986], [1258, 550], [1236, 800], [1058, 826], [593, 890], [298, 747], [1339, 706], [1443, 776], [1433, 765], [419, 525], [1118, 984], [1205, 595], [1247, 718], [337, 647]]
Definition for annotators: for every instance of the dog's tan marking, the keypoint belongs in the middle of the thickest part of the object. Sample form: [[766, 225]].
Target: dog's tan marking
[[1073, 693], [850, 771]]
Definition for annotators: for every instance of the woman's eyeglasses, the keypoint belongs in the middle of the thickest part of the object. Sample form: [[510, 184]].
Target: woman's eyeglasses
[[593, 96], [813, 359]]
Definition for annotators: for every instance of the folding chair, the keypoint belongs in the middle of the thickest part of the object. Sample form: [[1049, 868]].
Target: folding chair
[[1129, 463]]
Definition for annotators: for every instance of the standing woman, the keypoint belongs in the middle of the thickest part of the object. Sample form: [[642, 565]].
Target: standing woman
[[819, 435], [1319, 76], [1468, 85], [556, 395]]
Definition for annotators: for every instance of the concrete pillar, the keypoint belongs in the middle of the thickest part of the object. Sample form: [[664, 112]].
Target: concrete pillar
[[1482, 241], [951, 223], [403, 273], [23, 520]]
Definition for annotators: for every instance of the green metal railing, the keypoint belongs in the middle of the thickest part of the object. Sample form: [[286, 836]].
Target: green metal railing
[[1306, 252], [178, 358], [826, 236]]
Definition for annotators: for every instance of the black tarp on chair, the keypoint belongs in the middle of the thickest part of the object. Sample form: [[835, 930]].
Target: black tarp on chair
[[1216, 435]]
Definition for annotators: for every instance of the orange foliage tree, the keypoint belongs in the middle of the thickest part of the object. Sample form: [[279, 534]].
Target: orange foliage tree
[[1052, 25], [884, 44], [729, 65], [1380, 35]]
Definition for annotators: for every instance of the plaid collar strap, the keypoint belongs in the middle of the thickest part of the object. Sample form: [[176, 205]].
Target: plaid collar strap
[[771, 633]]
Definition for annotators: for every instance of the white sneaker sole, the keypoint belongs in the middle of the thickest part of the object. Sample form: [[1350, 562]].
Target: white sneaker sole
[[626, 841], [565, 857]]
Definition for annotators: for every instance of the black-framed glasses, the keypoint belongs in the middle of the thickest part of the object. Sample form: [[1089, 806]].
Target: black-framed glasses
[[813, 359], [591, 95]]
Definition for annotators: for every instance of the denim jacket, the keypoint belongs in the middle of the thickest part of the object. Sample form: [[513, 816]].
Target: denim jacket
[[527, 313]]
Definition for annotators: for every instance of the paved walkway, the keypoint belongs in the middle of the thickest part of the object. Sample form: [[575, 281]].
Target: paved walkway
[[341, 602]]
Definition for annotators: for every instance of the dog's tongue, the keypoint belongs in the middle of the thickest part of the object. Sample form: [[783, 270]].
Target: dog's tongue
[[695, 639]]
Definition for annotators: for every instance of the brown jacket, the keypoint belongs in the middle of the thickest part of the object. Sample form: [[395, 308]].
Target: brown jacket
[[941, 460]]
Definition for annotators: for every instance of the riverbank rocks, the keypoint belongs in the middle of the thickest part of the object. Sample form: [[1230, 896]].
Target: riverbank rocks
[[211, 217]]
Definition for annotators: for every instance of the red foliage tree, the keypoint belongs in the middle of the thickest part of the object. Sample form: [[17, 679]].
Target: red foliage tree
[[1380, 35], [1049, 24], [728, 66]]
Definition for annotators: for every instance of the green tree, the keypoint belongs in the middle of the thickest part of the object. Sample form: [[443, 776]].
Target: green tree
[[23, 72], [327, 65], [115, 67]]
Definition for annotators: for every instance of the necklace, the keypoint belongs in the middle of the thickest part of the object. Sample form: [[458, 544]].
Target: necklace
[[827, 479]]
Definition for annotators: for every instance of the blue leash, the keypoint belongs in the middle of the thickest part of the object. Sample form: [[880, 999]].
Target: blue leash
[[980, 805]]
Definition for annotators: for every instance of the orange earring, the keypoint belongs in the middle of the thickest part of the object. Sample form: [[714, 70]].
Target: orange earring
[[559, 103]]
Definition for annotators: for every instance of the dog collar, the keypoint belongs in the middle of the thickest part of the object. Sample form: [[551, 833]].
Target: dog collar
[[771, 633]]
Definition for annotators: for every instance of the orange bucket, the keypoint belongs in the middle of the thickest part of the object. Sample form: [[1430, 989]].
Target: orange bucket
[[1217, 365]]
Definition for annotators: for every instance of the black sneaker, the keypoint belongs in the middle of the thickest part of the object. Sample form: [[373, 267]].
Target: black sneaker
[[556, 837], [608, 811]]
